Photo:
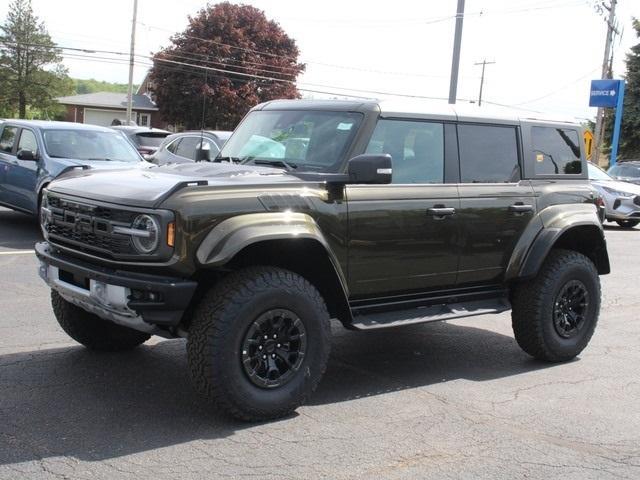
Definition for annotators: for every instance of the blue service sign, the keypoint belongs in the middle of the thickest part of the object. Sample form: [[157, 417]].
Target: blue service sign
[[604, 93]]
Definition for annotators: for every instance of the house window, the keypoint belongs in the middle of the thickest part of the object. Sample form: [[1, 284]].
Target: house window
[[144, 120]]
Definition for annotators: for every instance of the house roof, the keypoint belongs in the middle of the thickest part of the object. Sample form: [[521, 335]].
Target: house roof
[[109, 100]]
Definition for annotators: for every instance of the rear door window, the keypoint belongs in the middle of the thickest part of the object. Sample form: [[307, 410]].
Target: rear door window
[[556, 151], [488, 153], [7, 139]]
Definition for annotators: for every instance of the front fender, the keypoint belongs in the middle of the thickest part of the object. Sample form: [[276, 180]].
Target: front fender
[[546, 229], [232, 235]]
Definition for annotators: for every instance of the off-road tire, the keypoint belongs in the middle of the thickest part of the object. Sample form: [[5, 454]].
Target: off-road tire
[[220, 324], [627, 223], [93, 332], [533, 304]]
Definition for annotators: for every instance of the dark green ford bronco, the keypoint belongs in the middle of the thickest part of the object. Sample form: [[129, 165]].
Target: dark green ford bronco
[[371, 213]]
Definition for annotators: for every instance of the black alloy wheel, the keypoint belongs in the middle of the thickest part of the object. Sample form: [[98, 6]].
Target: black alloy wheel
[[570, 309], [274, 348]]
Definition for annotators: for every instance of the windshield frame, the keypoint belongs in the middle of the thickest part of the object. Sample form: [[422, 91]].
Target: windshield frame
[[135, 155], [355, 131]]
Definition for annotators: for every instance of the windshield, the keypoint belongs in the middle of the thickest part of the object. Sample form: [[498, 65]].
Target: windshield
[[303, 140], [89, 145], [596, 173], [148, 139], [625, 171]]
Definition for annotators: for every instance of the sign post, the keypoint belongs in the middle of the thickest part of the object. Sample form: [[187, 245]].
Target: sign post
[[608, 94]]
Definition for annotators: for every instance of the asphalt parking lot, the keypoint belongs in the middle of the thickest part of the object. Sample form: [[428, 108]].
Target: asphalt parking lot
[[447, 400]]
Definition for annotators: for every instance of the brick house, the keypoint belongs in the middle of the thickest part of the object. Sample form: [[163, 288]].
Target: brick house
[[102, 108]]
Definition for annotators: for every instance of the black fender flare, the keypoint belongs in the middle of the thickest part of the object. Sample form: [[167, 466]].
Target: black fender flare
[[549, 227], [234, 234]]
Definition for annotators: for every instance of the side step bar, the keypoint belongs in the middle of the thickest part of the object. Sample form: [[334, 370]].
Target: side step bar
[[432, 313]]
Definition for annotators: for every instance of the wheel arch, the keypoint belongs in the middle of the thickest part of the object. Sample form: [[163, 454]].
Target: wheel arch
[[573, 227], [292, 241], [585, 237]]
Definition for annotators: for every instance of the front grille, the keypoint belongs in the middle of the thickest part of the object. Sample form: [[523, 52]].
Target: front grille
[[89, 228], [101, 242], [636, 200]]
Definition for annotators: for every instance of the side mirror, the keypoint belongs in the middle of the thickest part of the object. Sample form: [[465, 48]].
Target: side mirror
[[203, 155], [27, 155], [370, 168]]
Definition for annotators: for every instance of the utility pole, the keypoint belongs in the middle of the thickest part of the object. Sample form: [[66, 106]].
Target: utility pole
[[606, 73], [131, 59], [484, 63], [455, 63]]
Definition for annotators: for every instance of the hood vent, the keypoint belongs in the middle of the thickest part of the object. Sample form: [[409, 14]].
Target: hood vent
[[279, 202]]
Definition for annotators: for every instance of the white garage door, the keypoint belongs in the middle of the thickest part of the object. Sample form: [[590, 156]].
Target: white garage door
[[103, 117]]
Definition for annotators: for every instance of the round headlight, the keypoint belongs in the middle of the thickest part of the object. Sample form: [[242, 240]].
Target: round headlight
[[149, 237]]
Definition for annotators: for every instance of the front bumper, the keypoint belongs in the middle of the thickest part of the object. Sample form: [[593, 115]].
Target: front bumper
[[623, 208], [140, 301]]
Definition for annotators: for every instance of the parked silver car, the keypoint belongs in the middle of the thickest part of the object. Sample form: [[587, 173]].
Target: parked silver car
[[621, 199], [191, 146], [628, 171]]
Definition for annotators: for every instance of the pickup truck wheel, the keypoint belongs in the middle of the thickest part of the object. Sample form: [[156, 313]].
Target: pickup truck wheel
[[259, 343], [555, 314], [93, 332], [627, 223]]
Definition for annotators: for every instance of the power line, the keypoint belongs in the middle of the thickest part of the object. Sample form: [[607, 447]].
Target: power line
[[249, 75], [553, 92]]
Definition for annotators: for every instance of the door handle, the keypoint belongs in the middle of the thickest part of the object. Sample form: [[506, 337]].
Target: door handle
[[441, 211], [520, 208]]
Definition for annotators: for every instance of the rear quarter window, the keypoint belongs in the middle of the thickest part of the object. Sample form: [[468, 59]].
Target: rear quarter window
[[555, 151]]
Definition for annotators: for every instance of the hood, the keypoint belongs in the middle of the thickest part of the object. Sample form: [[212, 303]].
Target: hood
[[618, 185], [634, 180], [148, 187]]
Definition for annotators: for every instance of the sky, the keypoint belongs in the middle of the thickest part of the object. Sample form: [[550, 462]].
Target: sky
[[545, 51]]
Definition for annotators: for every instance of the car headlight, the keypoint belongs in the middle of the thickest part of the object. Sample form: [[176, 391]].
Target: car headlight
[[149, 237], [618, 193]]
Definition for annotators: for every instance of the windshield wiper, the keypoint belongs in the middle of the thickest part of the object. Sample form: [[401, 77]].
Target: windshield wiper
[[100, 159], [262, 161]]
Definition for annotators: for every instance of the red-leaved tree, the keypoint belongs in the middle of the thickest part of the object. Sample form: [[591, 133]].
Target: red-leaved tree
[[238, 44]]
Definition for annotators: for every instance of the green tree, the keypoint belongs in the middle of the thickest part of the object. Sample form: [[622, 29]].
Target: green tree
[[629, 147], [31, 75], [90, 86]]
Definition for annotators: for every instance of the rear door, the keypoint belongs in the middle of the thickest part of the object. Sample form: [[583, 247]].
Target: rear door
[[495, 203], [403, 237]]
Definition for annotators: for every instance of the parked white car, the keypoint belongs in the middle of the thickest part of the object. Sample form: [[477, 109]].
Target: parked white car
[[621, 199]]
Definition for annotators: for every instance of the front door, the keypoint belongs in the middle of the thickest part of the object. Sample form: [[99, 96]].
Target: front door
[[495, 204], [403, 237], [22, 175], [8, 140]]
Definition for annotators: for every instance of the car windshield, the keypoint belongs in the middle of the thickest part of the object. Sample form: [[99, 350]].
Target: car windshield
[[149, 139], [300, 140], [89, 145], [596, 173], [630, 171]]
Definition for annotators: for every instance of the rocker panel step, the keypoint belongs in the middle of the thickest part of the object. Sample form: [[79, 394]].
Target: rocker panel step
[[432, 313]]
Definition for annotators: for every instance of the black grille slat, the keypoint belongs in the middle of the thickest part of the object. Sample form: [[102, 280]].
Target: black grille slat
[[87, 228]]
